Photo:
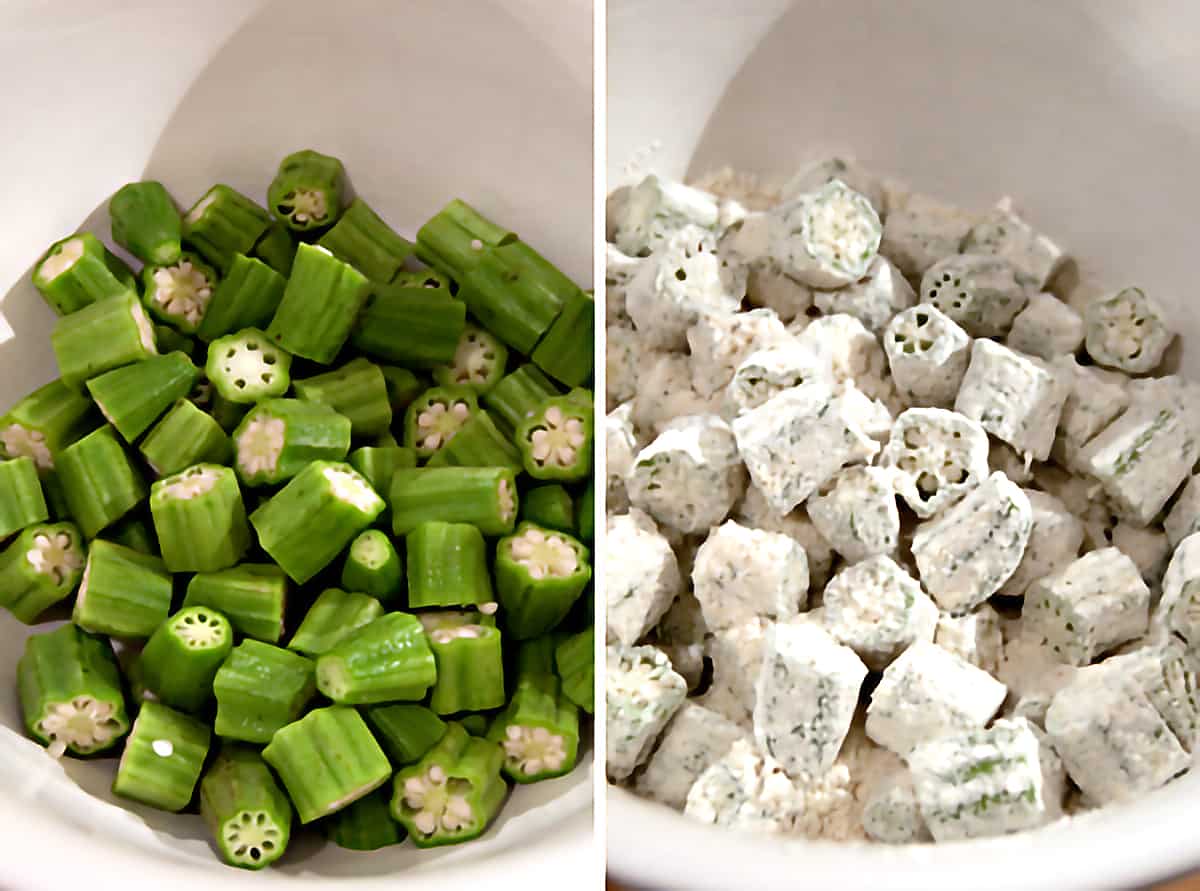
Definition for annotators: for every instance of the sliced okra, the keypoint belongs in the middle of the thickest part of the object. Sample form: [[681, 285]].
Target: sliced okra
[[247, 814], [39, 568], [171, 341], [182, 656], [1047, 328], [1128, 331], [387, 660], [436, 416], [122, 592], [251, 596], [246, 297], [413, 320], [538, 730], [642, 694], [278, 438], [405, 730], [333, 617], [179, 293], [549, 506], [223, 223], [565, 350], [517, 395], [76, 272], [380, 464], [1054, 542], [133, 397], [356, 390], [470, 665], [163, 758], [477, 443], [938, 457], [921, 231], [277, 249], [185, 436], [856, 513], [246, 367], [1004, 234], [365, 824], [99, 481], [719, 343], [1184, 517], [102, 336], [478, 364], [979, 292], [556, 440], [319, 305], [540, 574], [372, 566], [447, 565], [928, 353], [874, 300], [403, 386], [826, 238], [200, 519], [22, 502], [135, 532], [146, 222], [259, 688], [575, 663], [768, 372], [43, 423], [890, 811], [367, 243], [485, 497], [656, 208], [307, 190], [741, 574]]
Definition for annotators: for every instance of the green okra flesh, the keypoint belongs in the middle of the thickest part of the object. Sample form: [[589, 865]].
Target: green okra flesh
[[555, 440], [406, 730], [184, 436], [518, 395], [22, 502], [447, 566], [39, 568], [260, 688], [388, 660], [414, 320], [224, 223], [279, 438], [163, 758], [200, 519], [479, 360], [183, 654], [356, 391], [470, 668], [333, 617], [485, 497], [538, 730], [436, 416], [77, 272], [246, 297], [540, 573], [403, 387], [247, 367], [123, 592], [367, 243], [574, 661], [102, 336], [277, 249], [46, 421], [549, 506], [252, 596], [372, 566], [379, 464], [247, 814], [179, 293], [365, 824], [307, 191], [133, 397], [565, 352], [146, 222], [322, 299], [477, 443], [454, 239], [134, 533]]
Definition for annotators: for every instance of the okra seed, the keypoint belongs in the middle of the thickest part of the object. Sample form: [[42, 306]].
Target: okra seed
[[21, 442]]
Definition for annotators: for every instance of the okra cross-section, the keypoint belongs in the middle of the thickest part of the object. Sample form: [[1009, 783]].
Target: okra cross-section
[[39, 568], [387, 660], [146, 222], [827, 238], [373, 566], [123, 592], [45, 422], [248, 815], [200, 519], [247, 367], [539, 576], [479, 361], [357, 391], [477, 443], [485, 497], [281, 437], [470, 663], [22, 502], [103, 335], [133, 397], [222, 223], [1127, 330], [183, 654], [556, 440], [436, 416], [319, 306], [539, 729], [163, 758], [77, 272], [447, 566], [179, 293], [979, 292], [251, 596], [333, 616], [260, 688], [517, 395], [307, 190]]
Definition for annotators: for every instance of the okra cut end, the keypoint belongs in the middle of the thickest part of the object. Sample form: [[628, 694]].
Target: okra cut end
[[82, 725], [179, 293], [433, 801], [307, 191], [544, 554], [247, 367], [555, 442], [251, 839], [532, 751], [436, 417]]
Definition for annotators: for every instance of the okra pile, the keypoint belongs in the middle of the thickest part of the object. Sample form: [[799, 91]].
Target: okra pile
[[904, 521], [318, 504]]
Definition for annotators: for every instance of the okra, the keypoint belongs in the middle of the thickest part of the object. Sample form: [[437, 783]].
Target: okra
[[99, 481], [183, 654], [146, 222], [516, 293], [372, 566], [248, 815], [171, 341], [574, 661], [308, 522], [246, 367], [475, 724], [123, 592], [184, 436], [43, 423], [447, 566], [277, 249], [549, 506], [478, 364], [413, 320], [259, 689], [227, 414], [357, 391], [367, 243], [555, 441], [387, 660], [70, 692], [585, 513], [319, 306], [333, 617], [252, 596], [133, 532], [200, 519], [39, 568], [133, 397], [281, 437], [76, 272], [327, 760], [22, 502], [307, 191], [484, 497], [179, 293], [403, 387], [453, 239], [436, 416], [102, 336], [366, 824], [470, 666], [565, 352], [538, 730], [223, 223], [477, 443], [246, 297], [405, 730], [540, 574], [517, 396], [163, 758], [379, 464]]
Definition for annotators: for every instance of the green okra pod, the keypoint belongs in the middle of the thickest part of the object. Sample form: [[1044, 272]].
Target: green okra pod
[[70, 691], [247, 367], [555, 441], [200, 519], [356, 391], [538, 730], [447, 566], [454, 239], [277, 249], [380, 463], [280, 437], [227, 414], [413, 320], [102, 336], [549, 506], [171, 341], [146, 222], [327, 760], [123, 592], [39, 568], [565, 351], [367, 243], [476, 724], [435, 417], [77, 272], [479, 361], [333, 617], [372, 566], [585, 514], [133, 532], [223, 223], [485, 497], [185, 436], [163, 758], [540, 574], [183, 654], [307, 190], [252, 596], [574, 660], [405, 730], [22, 502], [99, 481], [403, 387], [133, 397], [387, 660], [518, 395], [308, 522], [179, 293], [45, 422], [246, 297], [470, 665], [56, 498], [260, 688], [247, 814], [366, 824], [319, 306], [477, 443]]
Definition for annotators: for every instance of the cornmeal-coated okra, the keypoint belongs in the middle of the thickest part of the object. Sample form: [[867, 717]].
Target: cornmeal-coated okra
[[357, 391], [1047, 328], [163, 758], [549, 506], [718, 343], [365, 824], [1003, 233], [179, 293], [695, 739], [146, 222], [184, 436], [1053, 542], [741, 574], [746, 790], [538, 729], [123, 592], [565, 350], [453, 792], [517, 395], [1184, 517], [246, 367], [307, 190], [43, 423], [277, 249], [327, 760], [367, 243], [252, 596], [77, 272], [387, 660], [22, 502], [279, 438], [99, 481], [307, 523], [260, 688], [405, 730], [246, 297], [655, 208], [928, 355], [436, 416], [873, 300], [133, 397], [1127, 330], [333, 617], [372, 566], [470, 665], [200, 519], [540, 574], [827, 238], [414, 321], [319, 306], [856, 512], [979, 292], [247, 814], [574, 660], [478, 364], [643, 576], [40, 567], [556, 440], [484, 497], [103, 335], [937, 455], [223, 223], [920, 231], [183, 654], [70, 692], [642, 693], [477, 443], [890, 811], [447, 565]]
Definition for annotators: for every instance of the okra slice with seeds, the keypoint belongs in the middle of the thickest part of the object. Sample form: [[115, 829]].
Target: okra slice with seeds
[[405, 730], [247, 814], [307, 190], [277, 249], [367, 243], [146, 222], [539, 729], [279, 438], [436, 416], [477, 443], [478, 364], [517, 395], [246, 297], [642, 694], [183, 654], [43, 423], [937, 455], [133, 397], [186, 435], [556, 440], [574, 660], [76, 272], [99, 481], [179, 293], [200, 519], [470, 663], [413, 320], [102, 336], [979, 292], [827, 238], [333, 617], [549, 506], [484, 497], [928, 353], [39, 568], [372, 566], [223, 223], [356, 391], [447, 565], [70, 692], [246, 367], [565, 351], [123, 592], [163, 758], [319, 306], [260, 688], [1127, 330], [252, 596], [22, 502], [366, 824], [540, 574]]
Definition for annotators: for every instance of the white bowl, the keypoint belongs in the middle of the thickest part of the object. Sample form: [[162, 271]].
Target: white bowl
[[1085, 112], [424, 101]]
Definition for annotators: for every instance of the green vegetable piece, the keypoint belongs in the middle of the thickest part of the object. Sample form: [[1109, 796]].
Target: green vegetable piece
[[575, 661], [56, 498], [476, 724], [259, 689], [549, 506], [171, 341], [277, 249], [252, 596], [447, 566], [224, 223], [387, 660], [470, 665], [333, 617], [134, 533], [246, 367], [247, 814], [246, 297], [102, 336], [538, 729], [183, 654], [518, 395], [566, 351], [405, 730], [39, 568], [453, 792], [163, 758], [179, 293], [184, 436], [308, 522], [414, 320], [556, 440], [540, 573], [373, 566], [281, 437], [320, 303], [123, 592], [133, 397], [307, 191], [227, 414], [77, 272], [99, 481], [403, 387], [478, 443], [434, 417], [380, 463], [367, 243], [70, 692], [366, 824], [357, 391], [21, 500], [146, 222], [585, 516], [130, 661], [45, 422], [485, 497], [479, 361], [200, 519], [327, 760], [454, 239]]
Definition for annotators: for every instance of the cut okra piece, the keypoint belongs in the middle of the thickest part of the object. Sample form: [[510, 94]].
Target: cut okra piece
[[200, 519], [135, 533], [367, 243], [76, 272], [403, 387], [185, 436], [405, 730], [538, 730], [366, 824], [279, 438], [434, 417], [333, 617], [224, 223], [372, 566], [517, 395], [171, 341], [447, 566], [826, 238], [45, 422], [39, 568], [182, 656], [484, 497], [259, 689], [307, 190], [356, 391], [277, 249], [179, 293], [22, 502], [327, 760], [453, 238], [565, 351], [979, 292], [479, 361], [1047, 328], [70, 692], [379, 464], [163, 758], [642, 694], [928, 353], [470, 666], [146, 222], [102, 336], [123, 592], [477, 443], [246, 367], [556, 440], [453, 792], [247, 814], [246, 297], [414, 321], [251, 596], [227, 414], [937, 455], [133, 397], [549, 506], [307, 523], [574, 660], [319, 306], [540, 574], [1128, 331], [99, 481]]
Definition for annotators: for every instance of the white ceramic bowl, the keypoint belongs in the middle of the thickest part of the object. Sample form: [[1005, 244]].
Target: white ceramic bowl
[[1085, 112], [424, 101]]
